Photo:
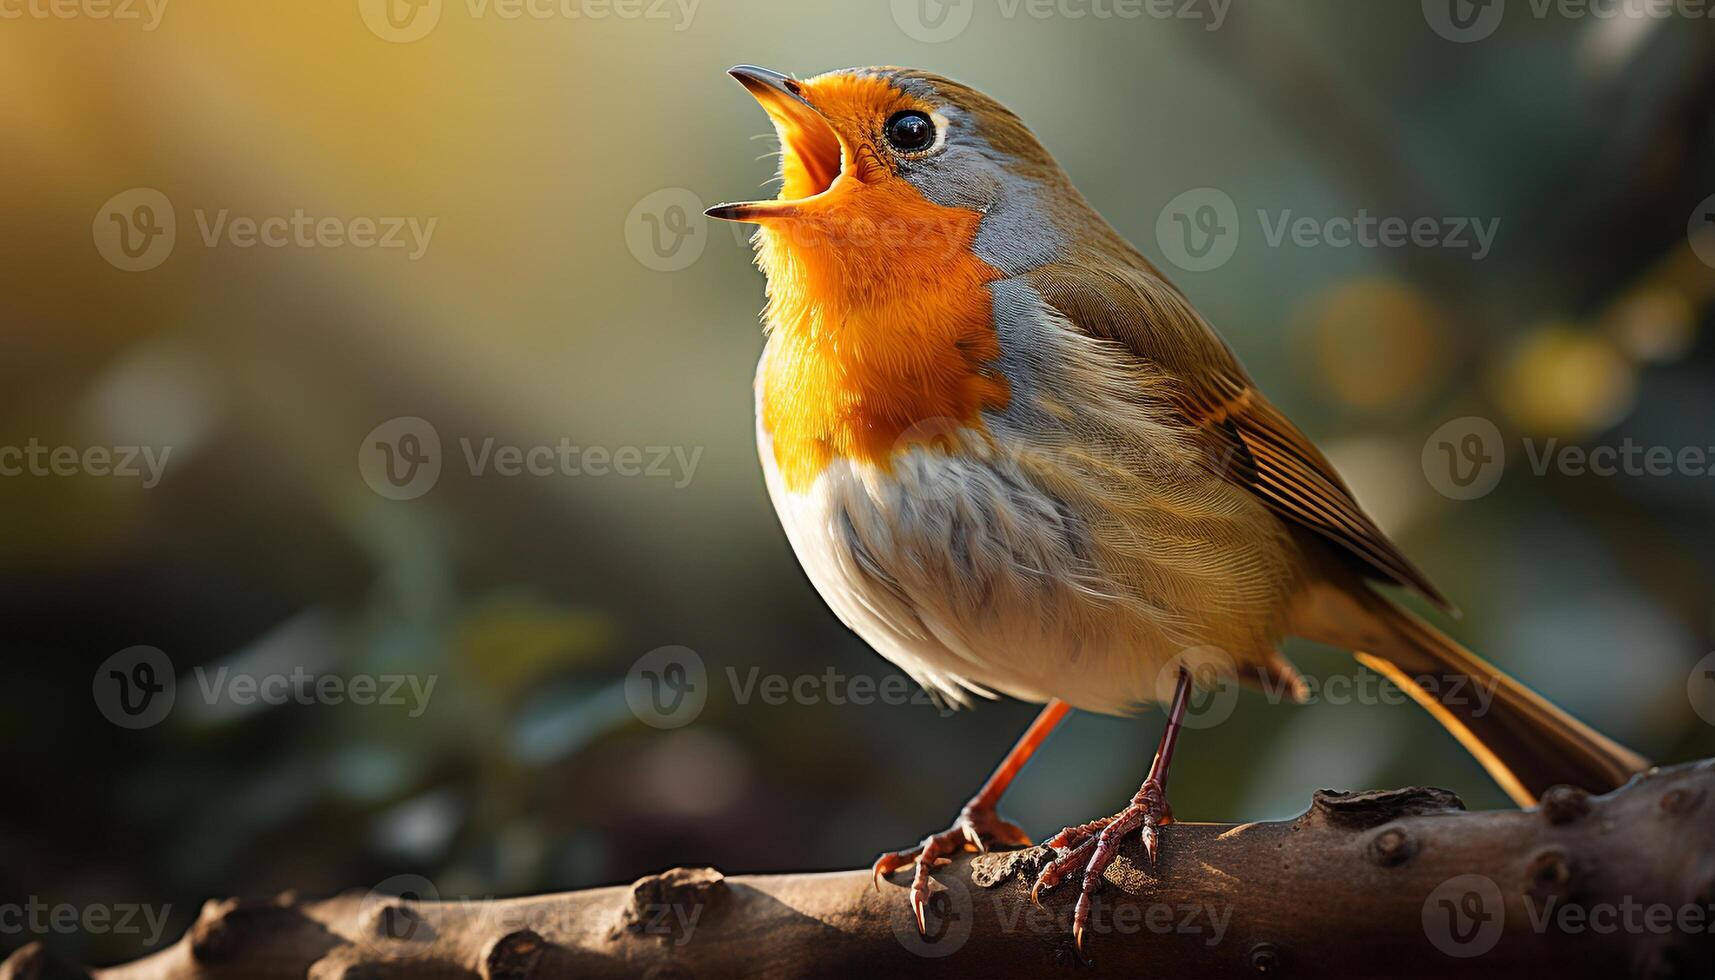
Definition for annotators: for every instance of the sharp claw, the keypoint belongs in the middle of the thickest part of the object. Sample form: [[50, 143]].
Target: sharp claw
[[1097, 845], [882, 867], [933, 853]]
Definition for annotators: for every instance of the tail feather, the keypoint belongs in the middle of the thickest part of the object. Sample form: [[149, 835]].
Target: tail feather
[[1526, 744]]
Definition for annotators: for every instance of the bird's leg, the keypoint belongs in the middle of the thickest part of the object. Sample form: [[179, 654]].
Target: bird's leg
[[1093, 846], [979, 824]]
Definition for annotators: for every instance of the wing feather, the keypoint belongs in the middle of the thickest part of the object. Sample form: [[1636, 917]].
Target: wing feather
[[1249, 441]]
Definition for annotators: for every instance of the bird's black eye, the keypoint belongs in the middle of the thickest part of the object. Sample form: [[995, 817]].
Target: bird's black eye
[[911, 131]]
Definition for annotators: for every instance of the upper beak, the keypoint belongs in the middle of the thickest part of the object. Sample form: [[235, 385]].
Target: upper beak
[[804, 135], [767, 84]]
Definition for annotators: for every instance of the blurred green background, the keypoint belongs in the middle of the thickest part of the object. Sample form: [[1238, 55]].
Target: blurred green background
[[539, 147]]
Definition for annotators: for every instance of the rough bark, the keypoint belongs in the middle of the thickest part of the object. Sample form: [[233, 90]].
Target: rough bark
[[1380, 884]]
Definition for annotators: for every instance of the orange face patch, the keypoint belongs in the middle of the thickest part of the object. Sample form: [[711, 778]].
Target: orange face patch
[[882, 324]]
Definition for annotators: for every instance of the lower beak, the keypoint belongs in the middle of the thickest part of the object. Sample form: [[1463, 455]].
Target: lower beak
[[812, 153], [752, 210]]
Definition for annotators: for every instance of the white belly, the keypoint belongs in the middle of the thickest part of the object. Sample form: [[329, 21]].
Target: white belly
[[974, 581]]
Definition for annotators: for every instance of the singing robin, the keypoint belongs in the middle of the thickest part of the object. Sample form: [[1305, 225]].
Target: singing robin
[[1015, 460]]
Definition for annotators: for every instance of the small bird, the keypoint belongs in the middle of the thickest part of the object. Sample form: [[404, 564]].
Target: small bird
[[1015, 460]]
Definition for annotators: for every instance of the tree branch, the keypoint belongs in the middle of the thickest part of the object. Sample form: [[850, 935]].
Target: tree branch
[[1380, 884]]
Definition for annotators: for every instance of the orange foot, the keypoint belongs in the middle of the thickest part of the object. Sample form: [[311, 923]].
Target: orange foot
[[1093, 846], [977, 829]]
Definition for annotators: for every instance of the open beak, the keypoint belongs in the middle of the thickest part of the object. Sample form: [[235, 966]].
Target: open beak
[[812, 155]]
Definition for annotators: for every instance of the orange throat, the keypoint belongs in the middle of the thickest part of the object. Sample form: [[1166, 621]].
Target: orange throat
[[882, 332]]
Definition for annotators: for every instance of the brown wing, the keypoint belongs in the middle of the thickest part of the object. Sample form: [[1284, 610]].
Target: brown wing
[[1251, 443]]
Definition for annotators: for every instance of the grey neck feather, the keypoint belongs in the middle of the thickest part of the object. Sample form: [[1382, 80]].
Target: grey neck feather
[[1017, 233]]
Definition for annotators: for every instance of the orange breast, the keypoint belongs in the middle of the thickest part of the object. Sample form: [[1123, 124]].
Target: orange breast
[[882, 332]]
